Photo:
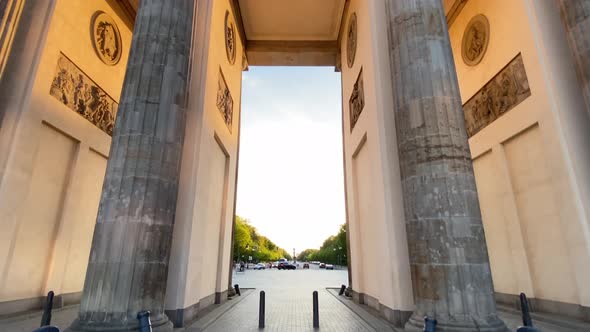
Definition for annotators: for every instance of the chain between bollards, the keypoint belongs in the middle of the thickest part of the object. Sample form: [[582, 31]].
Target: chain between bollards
[[261, 310], [316, 310], [46, 319]]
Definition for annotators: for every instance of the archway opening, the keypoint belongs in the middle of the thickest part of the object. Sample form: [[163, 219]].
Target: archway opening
[[290, 204]]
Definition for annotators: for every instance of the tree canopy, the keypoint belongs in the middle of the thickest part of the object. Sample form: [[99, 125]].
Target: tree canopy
[[332, 251], [248, 242]]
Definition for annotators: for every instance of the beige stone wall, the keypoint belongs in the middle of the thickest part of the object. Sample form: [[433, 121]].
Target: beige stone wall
[[530, 163], [50, 191], [378, 246], [200, 260]]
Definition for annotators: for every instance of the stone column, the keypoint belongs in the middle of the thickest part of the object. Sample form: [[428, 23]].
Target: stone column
[[575, 15], [128, 264], [451, 275]]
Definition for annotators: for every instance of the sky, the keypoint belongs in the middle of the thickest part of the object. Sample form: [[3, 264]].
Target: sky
[[290, 174]]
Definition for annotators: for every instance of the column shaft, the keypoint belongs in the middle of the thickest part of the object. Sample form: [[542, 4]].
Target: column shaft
[[451, 275], [130, 251], [575, 15]]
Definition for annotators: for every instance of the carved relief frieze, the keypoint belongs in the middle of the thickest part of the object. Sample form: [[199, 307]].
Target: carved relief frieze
[[475, 40], [79, 93], [351, 40], [106, 38], [225, 103], [230, 38], [357, 100], [502, 93]]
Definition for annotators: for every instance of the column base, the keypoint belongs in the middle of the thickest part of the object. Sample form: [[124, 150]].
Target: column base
[[161, 324], [490, 324]]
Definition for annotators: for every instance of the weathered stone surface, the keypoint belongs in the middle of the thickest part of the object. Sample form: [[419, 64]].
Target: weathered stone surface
[[448, 256], [128, 263], [575, 15]]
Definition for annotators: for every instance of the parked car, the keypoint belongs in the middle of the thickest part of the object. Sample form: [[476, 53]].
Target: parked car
[[259, 266], [286, 266], [306, 265], [322, 265], [329, 267]]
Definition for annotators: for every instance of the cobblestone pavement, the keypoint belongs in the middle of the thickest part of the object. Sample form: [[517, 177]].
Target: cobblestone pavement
[[288, 307], [28, 322], [289, 302]]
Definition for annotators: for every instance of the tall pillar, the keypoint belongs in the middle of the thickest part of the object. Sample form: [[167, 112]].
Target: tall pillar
[[575, 15], [128, 264], [451, 275]]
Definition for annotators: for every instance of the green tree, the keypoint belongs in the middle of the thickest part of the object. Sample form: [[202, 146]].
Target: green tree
[[248, 242], [332, 251], [307, 255]]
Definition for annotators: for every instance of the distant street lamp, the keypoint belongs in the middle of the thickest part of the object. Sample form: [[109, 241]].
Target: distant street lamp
[[335, 251]]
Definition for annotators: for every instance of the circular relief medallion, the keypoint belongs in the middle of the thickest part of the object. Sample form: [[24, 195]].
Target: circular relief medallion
[[351, 40], [106, 38], [230, 39], [475, 40]]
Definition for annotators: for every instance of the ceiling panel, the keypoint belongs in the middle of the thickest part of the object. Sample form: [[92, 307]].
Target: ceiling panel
[[291, 20]]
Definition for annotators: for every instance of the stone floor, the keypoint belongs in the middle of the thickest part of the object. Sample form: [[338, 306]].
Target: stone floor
[[288, 307], [289, 303], [289, 295]]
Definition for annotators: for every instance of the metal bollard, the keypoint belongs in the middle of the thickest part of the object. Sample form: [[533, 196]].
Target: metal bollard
[[46, 318], [526, 315], [145, 324], [316, 310], [429, 324], [237, 289], [526, 311], [261, 310], [342, 290]]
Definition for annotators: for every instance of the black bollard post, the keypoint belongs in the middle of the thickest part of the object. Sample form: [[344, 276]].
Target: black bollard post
[[316, 310], [526, 311], [261, 310], [145, 324], [46, 318], [237, 289], [342, 290], [526, 316], [429, 324]]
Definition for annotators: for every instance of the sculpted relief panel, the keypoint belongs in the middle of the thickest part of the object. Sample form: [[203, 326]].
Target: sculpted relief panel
[[357, 100], [225, 103], [506, 90], [79, 93]]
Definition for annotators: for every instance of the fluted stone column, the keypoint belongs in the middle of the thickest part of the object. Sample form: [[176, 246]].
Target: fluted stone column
[[128, 263], [451, 275], [575, 15]]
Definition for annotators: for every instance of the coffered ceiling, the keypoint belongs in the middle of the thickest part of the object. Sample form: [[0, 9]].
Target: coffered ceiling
[[292, 32]]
